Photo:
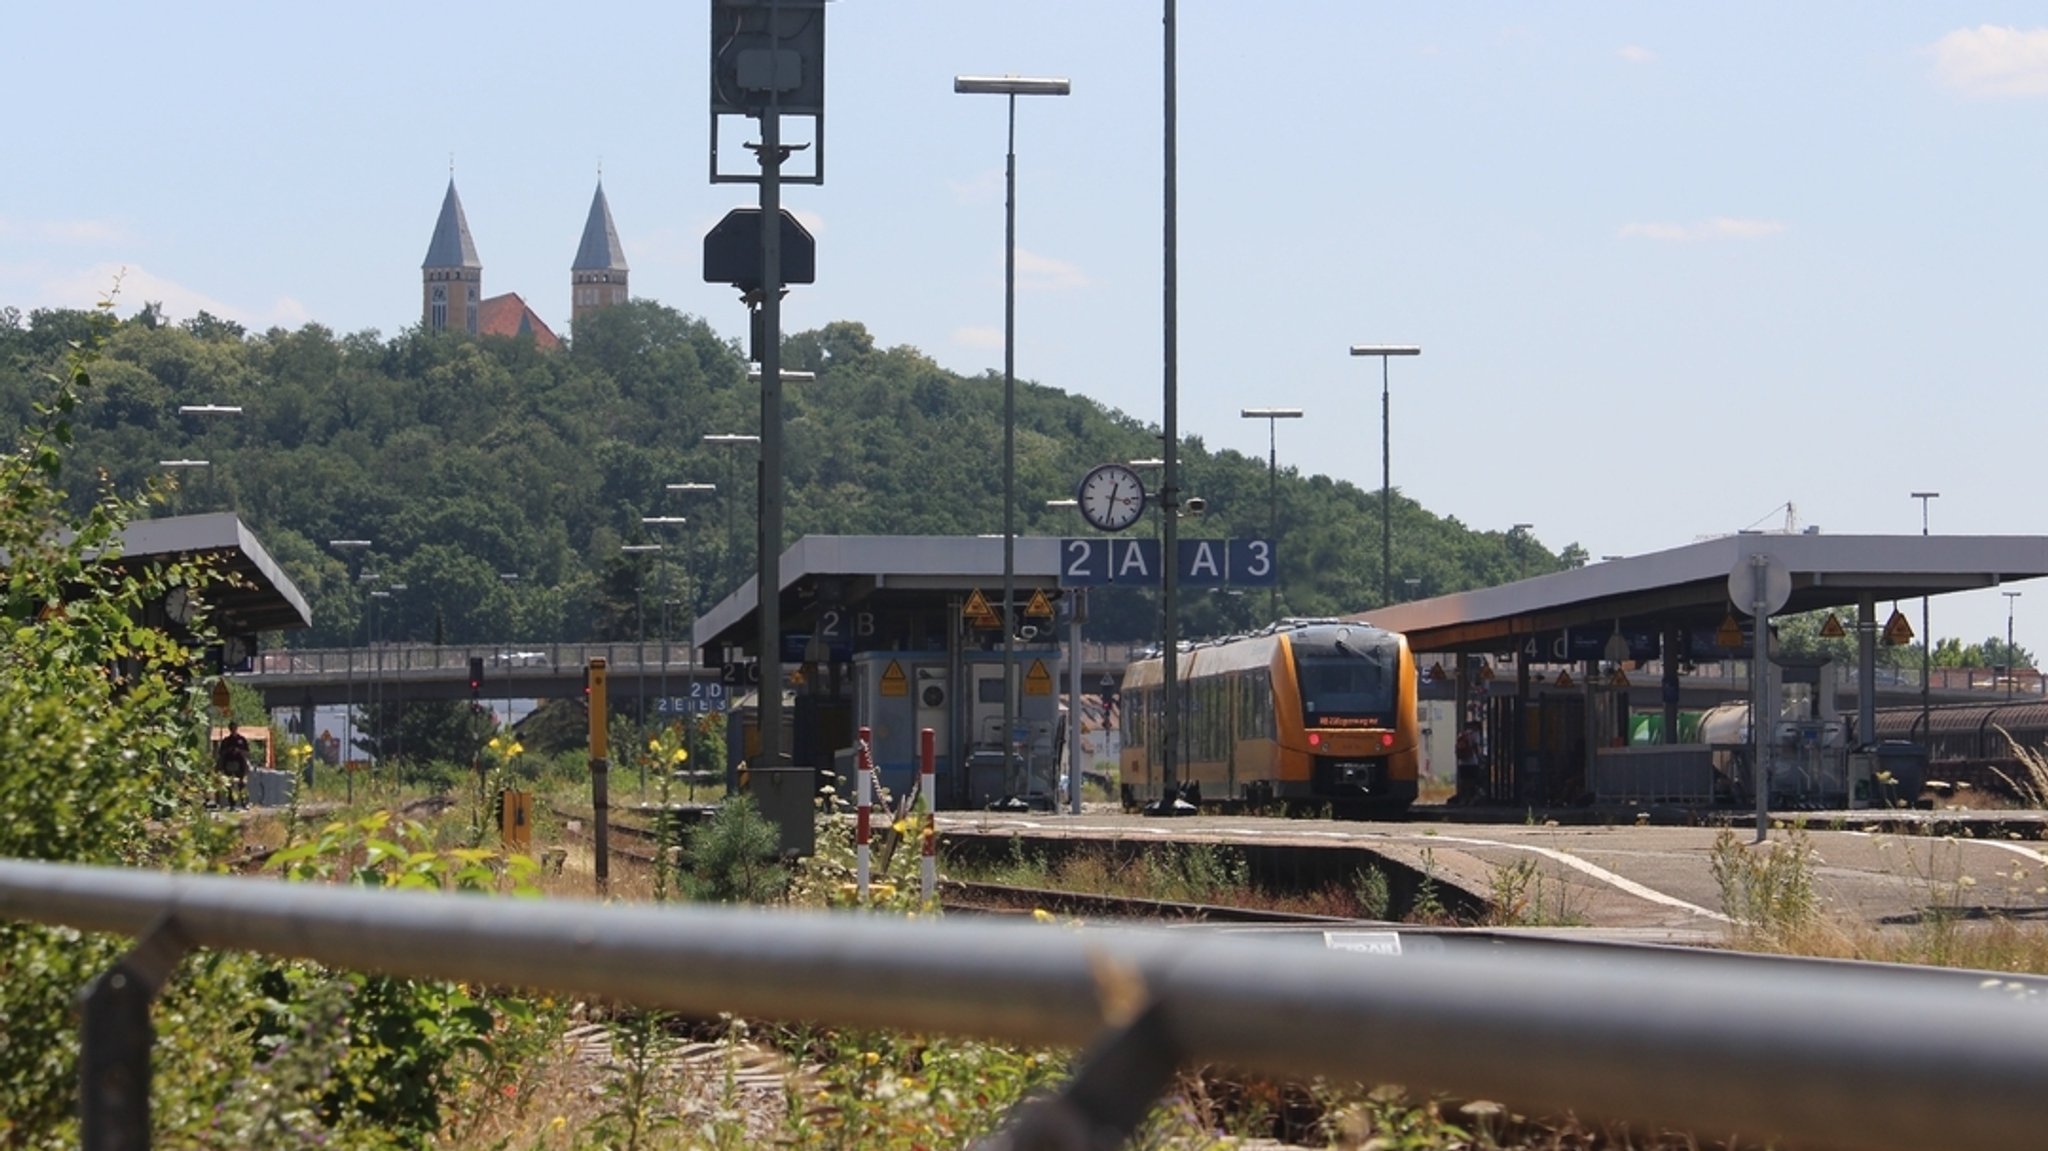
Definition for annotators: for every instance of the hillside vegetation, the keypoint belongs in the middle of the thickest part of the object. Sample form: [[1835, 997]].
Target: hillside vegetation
[[469, 460]]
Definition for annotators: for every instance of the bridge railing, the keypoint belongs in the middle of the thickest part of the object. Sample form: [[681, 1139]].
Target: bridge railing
[[534, 658], [1838, 1054]]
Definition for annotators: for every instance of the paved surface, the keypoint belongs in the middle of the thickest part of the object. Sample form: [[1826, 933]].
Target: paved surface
[[1651, 881]]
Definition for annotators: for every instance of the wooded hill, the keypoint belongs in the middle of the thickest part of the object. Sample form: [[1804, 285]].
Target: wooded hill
[[466, 461]]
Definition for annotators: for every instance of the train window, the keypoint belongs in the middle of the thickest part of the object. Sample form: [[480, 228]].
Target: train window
[[1352, 685]]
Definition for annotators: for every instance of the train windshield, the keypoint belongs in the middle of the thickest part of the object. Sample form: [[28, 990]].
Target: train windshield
[[1348, 679]]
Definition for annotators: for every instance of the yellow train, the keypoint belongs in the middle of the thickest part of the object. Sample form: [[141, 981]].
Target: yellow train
[[1308, 714]]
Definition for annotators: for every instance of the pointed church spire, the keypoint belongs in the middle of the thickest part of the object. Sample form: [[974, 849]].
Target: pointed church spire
[[600, 250], [451, 277], [451, 246], [597, 279]]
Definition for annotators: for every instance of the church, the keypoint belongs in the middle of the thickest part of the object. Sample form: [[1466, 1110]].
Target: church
[[452, 278]]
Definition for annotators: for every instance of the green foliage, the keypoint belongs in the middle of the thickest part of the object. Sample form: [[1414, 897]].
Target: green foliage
[[101, 735], [732, 858], [1521, 895], [465, 458]]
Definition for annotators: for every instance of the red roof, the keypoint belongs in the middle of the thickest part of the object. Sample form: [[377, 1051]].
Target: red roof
[[508, 315]]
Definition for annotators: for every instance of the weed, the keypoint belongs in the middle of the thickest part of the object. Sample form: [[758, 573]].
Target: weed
[[1767, 889], [1429, 902], [1370, 888], [1521, 895]]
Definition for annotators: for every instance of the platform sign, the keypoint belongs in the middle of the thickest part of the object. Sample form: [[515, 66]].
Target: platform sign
[[1095, 561], [1576, 645]]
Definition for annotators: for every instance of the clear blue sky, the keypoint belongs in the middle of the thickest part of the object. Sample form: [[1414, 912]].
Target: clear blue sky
[[1672, 266]]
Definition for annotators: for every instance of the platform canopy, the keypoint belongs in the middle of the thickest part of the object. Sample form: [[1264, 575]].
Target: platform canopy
[[1688, 586], [901, 575], [261, 598]]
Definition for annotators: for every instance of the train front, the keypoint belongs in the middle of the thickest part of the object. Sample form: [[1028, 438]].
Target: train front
[[1359, 739]]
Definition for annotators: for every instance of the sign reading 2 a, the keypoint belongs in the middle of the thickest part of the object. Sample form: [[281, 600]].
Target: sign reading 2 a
[[1095, 561]]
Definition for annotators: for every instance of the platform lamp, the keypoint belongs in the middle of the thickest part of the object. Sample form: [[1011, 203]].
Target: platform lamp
[[1384, 352], [1010, 87], [208, 411], [1272, 416], [667, 522], [2012, 663], [732, 442], [349, 549], [1926, 637]]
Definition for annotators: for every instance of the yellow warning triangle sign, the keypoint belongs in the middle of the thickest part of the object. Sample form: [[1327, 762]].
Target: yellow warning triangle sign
[[894, 682], [1729, 634], [1564, 679], [977, 606], [1039, 605], [1037, 681], [1618, 679], [1831, 628], [1897, 632]]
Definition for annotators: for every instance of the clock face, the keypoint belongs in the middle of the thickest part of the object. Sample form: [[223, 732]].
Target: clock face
[[1111, 497]]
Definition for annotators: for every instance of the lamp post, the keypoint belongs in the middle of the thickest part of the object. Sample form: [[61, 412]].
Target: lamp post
[[658, 522], [732, 442], [2012, 663], [1010, 87], [1926, 637], [1272, 416], [207, 411], [1384, 352], [640, 646], [182, 465], [348, 707]]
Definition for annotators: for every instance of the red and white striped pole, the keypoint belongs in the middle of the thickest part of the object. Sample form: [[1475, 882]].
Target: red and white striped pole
[[863, 806], [927, 786]]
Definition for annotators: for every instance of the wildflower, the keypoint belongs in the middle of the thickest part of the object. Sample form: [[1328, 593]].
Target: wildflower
[[1041, 915], [870, 1058], [559, 1122]]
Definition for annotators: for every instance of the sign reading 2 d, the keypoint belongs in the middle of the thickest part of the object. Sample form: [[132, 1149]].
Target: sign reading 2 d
[[1100, 560]]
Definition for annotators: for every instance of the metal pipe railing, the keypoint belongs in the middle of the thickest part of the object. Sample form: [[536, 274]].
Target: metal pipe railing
[[1873, 1061]]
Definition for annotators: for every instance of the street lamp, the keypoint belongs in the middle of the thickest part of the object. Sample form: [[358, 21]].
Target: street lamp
[[640, 646], [660, 522], [1384, 351], [690, 626], [1926, 637], [732, 442], [1272, 416], [208, 410], [2011, 664], [1010, 87], [348, 709]]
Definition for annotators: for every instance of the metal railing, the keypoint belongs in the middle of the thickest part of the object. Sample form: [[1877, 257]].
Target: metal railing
[[1847, 1055]]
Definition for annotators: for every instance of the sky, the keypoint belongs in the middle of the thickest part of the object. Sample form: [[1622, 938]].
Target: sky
[[1672, 267]]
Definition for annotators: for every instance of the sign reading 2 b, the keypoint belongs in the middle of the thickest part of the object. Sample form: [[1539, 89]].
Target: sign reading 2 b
[[1098, 560]]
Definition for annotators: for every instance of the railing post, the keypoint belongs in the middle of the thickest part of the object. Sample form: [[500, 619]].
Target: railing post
[[928, 846], [863, 810], [115, 1037], [1118, 1080]]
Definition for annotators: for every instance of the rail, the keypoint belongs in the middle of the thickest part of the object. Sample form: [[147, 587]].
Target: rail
[[1884, 1058]]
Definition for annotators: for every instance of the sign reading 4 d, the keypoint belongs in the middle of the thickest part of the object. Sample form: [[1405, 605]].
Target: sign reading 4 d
[[1096, 561]]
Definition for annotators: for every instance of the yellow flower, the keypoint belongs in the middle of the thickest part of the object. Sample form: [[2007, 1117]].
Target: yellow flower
[[654, 744], [1041, 915], [870, 1058], [559, 1122], [516, 749]]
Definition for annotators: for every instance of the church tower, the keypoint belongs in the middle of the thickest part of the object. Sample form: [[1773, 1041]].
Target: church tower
[[598, 277], [452, 278]]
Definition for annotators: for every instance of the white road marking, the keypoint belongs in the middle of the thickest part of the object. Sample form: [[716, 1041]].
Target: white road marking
[[1601, 874]]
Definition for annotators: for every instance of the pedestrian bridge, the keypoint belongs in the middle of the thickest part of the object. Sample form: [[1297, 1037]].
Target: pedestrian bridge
[[296, 677]]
